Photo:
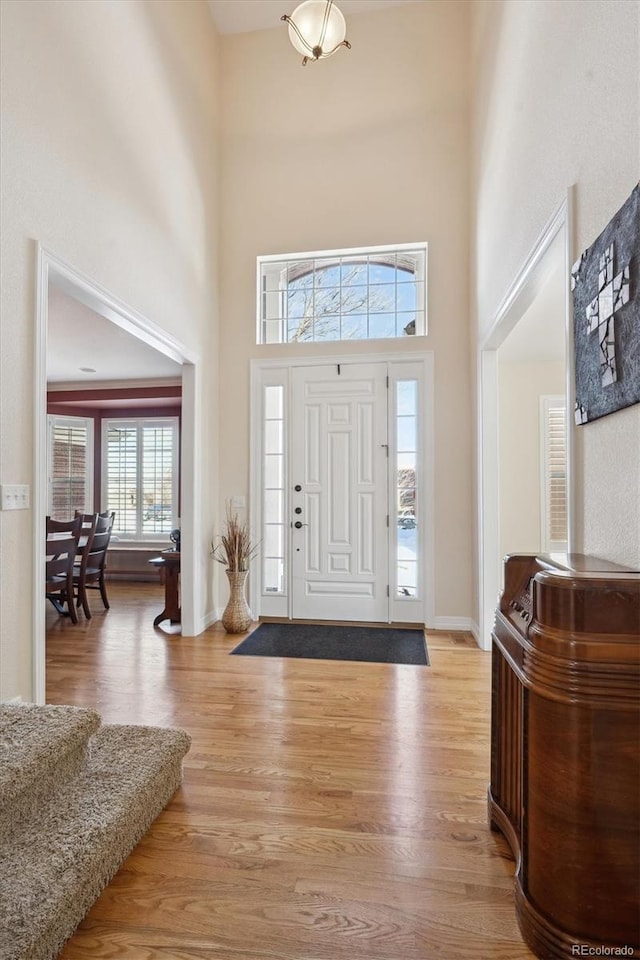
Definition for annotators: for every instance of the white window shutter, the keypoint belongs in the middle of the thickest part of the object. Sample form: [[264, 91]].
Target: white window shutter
[[554, 474], [70, 473]]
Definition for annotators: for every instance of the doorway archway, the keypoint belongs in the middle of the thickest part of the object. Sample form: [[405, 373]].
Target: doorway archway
[[518, 299], [51, 269]]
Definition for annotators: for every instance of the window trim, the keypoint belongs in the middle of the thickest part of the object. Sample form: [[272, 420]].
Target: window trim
[[422, 317], [144, 538]]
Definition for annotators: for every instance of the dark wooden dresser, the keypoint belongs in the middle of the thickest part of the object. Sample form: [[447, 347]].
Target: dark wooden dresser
[[565, 751]]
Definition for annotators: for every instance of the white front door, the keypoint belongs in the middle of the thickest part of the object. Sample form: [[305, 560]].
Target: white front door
[[338, 492]]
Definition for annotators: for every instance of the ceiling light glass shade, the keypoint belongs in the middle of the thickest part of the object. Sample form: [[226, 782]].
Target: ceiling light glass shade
[[317, 29]]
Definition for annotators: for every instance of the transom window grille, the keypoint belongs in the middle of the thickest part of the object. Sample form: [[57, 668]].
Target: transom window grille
[[358, 294], [70, 472], [140, 476]]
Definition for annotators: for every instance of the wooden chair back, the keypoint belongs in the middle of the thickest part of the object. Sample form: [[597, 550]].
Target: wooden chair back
[[104, 520], [60, 552], [72, 527], [90, 572]]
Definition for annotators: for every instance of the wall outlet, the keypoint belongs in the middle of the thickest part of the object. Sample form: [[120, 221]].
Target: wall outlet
[[14, 496]]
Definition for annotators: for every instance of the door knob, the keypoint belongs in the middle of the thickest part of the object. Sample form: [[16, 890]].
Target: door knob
[[298, 525]]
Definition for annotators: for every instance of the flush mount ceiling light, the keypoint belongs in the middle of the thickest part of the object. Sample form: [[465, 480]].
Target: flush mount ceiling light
[[317, 29]]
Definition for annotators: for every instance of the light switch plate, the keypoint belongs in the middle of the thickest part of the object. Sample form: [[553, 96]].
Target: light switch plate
[[14, 496]]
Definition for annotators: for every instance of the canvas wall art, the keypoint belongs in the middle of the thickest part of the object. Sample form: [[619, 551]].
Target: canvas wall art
[[606, 316]]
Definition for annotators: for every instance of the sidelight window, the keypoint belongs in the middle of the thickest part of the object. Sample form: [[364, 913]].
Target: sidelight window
[[406, 480], [273, 549]]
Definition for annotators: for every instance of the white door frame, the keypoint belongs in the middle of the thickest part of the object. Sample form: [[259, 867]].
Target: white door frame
[[521, 294], [50, 267], [426, 360]]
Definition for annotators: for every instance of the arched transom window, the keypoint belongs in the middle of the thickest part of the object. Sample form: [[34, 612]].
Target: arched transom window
[[365, 294]]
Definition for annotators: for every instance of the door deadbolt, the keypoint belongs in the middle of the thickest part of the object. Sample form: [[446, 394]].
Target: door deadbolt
[[298, 510], [297, 488]]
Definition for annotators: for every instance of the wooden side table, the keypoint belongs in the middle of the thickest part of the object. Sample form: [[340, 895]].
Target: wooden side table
[[169, 565]]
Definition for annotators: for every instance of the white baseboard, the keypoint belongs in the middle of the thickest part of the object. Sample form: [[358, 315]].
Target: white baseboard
[[459, 623], [209, 618], [453, 623], [14, 700], [475, 631]]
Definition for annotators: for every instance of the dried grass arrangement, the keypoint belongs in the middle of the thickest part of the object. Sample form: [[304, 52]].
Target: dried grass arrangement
[[235, 548]]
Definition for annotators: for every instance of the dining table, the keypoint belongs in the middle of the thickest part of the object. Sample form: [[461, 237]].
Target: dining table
[[169, 565]]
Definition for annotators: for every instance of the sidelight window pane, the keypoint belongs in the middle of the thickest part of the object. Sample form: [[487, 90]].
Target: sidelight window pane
[[273, 506], [406, 434], [273, 401], [407, 403], [273, 436], [273, 470], [273, 539], [273, 575]]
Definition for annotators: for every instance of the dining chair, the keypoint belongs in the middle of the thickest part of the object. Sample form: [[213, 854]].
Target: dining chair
[[89, 523], [89, 572], [62, 537]]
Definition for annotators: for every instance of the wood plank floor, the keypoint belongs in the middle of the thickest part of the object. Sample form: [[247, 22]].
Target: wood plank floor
[[329, 810]]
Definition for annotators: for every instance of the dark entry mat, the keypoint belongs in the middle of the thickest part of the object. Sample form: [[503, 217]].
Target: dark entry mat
[[314, 641]]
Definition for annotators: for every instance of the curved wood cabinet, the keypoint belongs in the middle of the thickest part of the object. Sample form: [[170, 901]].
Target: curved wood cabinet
[[565, 751]]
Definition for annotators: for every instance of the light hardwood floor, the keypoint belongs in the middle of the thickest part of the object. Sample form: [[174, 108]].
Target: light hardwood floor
[[329, 810]]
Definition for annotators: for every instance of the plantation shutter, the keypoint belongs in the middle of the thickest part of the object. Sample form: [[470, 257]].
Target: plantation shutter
[[140, 470], [70, 466], [122, 476], [157, 465], [555, 474]]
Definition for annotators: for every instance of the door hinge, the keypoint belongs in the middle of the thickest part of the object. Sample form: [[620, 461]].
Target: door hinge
[[338, 366], [387, 519], [387, 589], [387, 381]]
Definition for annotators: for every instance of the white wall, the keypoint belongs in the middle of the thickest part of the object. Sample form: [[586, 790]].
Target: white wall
[[109, 159], [521, 384], [556, 103], [369, 147]]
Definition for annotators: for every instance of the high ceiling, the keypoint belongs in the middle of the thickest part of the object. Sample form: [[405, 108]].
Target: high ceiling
[[242, 16], [78, 337]]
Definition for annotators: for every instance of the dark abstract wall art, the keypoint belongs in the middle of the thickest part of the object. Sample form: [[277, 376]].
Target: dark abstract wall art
[[606, 316]]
